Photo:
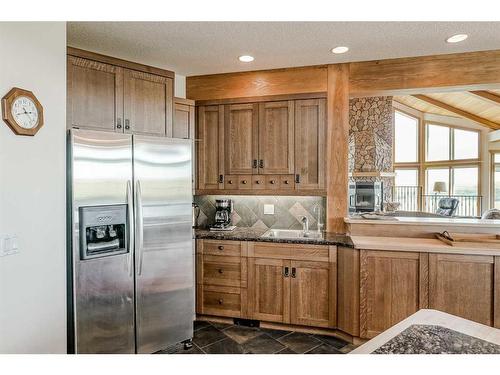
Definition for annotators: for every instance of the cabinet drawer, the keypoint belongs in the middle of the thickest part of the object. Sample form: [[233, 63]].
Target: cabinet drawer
[[222, 301], [272, 182], [258, 182], [245, 182], [217, 272], [215, 247], [231, 182], [287, 182], [321, 253]]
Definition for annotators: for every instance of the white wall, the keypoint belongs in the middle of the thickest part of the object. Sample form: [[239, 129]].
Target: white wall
[[180, 86], [32, 193]]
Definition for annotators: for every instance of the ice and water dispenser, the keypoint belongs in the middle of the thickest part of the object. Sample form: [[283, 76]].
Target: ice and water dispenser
[[103, 231]]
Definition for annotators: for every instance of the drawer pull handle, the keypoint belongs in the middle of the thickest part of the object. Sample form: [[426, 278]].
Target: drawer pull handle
[[221, 270], [221, 179], [255, 163], [261, 163], [221, 247], [221, 301], [294, 272]]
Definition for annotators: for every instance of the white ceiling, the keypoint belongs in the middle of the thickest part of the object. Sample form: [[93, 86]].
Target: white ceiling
[[194, 48]]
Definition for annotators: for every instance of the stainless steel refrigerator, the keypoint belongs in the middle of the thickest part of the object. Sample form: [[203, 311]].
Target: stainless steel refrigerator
[[131, 253]]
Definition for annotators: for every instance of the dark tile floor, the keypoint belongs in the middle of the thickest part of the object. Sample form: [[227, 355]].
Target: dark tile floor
[[218, 338]]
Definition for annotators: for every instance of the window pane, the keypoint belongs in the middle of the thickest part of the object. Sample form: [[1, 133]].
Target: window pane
[[406, 177], [497, 158], [437, 175], [438, 142], [497, 185], [405, 138], [465, 181], [465, 144]]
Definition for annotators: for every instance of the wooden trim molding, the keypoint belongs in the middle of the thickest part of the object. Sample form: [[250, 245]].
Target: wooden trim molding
[[119, 62], [436, 73], [489, 96], [184, 101], [337, 145], [265, 98], [309, 79]]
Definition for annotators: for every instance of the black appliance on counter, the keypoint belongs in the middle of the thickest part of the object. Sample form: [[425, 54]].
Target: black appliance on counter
[[365, 196]]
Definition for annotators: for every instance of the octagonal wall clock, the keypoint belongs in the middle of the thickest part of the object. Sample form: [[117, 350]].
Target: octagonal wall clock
[[22, 112]]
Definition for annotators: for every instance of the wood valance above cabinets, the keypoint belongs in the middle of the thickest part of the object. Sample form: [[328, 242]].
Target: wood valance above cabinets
[[263, 147]]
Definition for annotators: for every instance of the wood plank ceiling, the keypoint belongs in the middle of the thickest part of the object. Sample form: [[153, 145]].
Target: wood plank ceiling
[[483, 107]]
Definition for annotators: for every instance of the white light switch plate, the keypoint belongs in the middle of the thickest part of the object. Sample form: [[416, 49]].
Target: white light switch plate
[[269, 209], [8, 245]]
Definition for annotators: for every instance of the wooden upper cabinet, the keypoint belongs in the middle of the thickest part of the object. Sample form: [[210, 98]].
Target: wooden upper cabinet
[[240, 136], [148, 103], [393, 285], [276, 137], [310, 143], [94, 95], [462, 285], [312, 293], [184, 119], [269, 290], [210, 147]]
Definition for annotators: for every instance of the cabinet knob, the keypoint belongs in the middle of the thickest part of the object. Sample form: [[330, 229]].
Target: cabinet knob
[[221, 247], [221, 301], [118, 123], [257, 182], [272, 182], [286, 182], [244, 182], [127, 124], [221, 270]]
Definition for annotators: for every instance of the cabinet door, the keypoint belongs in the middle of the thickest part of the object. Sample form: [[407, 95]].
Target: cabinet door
[[184, 121], [276, 137], [95, 95], [240, 136], [312, 293], [148, 103], [269, 289], [310, 141], [462, 285], [392, 287], [210, 147]]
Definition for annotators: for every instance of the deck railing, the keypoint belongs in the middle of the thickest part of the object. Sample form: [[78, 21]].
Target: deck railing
[[411, 198]]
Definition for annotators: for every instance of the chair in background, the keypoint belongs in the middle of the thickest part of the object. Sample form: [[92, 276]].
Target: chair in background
[[447, 206]]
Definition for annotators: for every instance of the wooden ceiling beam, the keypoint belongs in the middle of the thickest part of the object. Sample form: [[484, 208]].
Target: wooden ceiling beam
[[488, 123], [489, 96]]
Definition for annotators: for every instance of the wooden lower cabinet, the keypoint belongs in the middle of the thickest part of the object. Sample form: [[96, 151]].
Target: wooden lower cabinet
[[393, 285], [313, 294], [464, 285], [269, 289]]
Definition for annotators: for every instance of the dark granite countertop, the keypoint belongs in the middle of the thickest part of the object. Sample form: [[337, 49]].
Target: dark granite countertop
[[433, 339], [254, 234]]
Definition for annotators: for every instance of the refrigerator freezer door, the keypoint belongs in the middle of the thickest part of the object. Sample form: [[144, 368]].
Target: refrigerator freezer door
[[100, 167], [164, 242]]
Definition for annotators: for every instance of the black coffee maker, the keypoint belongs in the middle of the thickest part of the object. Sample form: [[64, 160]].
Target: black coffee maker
[[223, 211]]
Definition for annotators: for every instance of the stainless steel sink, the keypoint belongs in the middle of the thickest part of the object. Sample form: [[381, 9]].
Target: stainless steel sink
[[291, 234]]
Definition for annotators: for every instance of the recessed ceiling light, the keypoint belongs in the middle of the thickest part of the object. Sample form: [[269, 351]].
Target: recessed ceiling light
[[246, 58], [340, 49], [457, 38]]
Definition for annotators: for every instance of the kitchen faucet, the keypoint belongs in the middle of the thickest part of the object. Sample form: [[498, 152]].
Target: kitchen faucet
[[305, 225]]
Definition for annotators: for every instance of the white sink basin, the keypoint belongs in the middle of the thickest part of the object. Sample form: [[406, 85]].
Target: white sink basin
[[291, 234]]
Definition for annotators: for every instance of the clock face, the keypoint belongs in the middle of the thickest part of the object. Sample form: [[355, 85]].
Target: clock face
[[24, 112]]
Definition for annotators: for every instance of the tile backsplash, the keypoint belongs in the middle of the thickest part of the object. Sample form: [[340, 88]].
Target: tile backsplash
[[249, 211]]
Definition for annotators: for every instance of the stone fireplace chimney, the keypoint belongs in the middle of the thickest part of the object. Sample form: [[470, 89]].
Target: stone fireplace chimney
[[371, 140]]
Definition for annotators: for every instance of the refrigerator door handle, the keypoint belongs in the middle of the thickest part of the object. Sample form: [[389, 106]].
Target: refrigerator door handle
[[131, 244], [139, 225]]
